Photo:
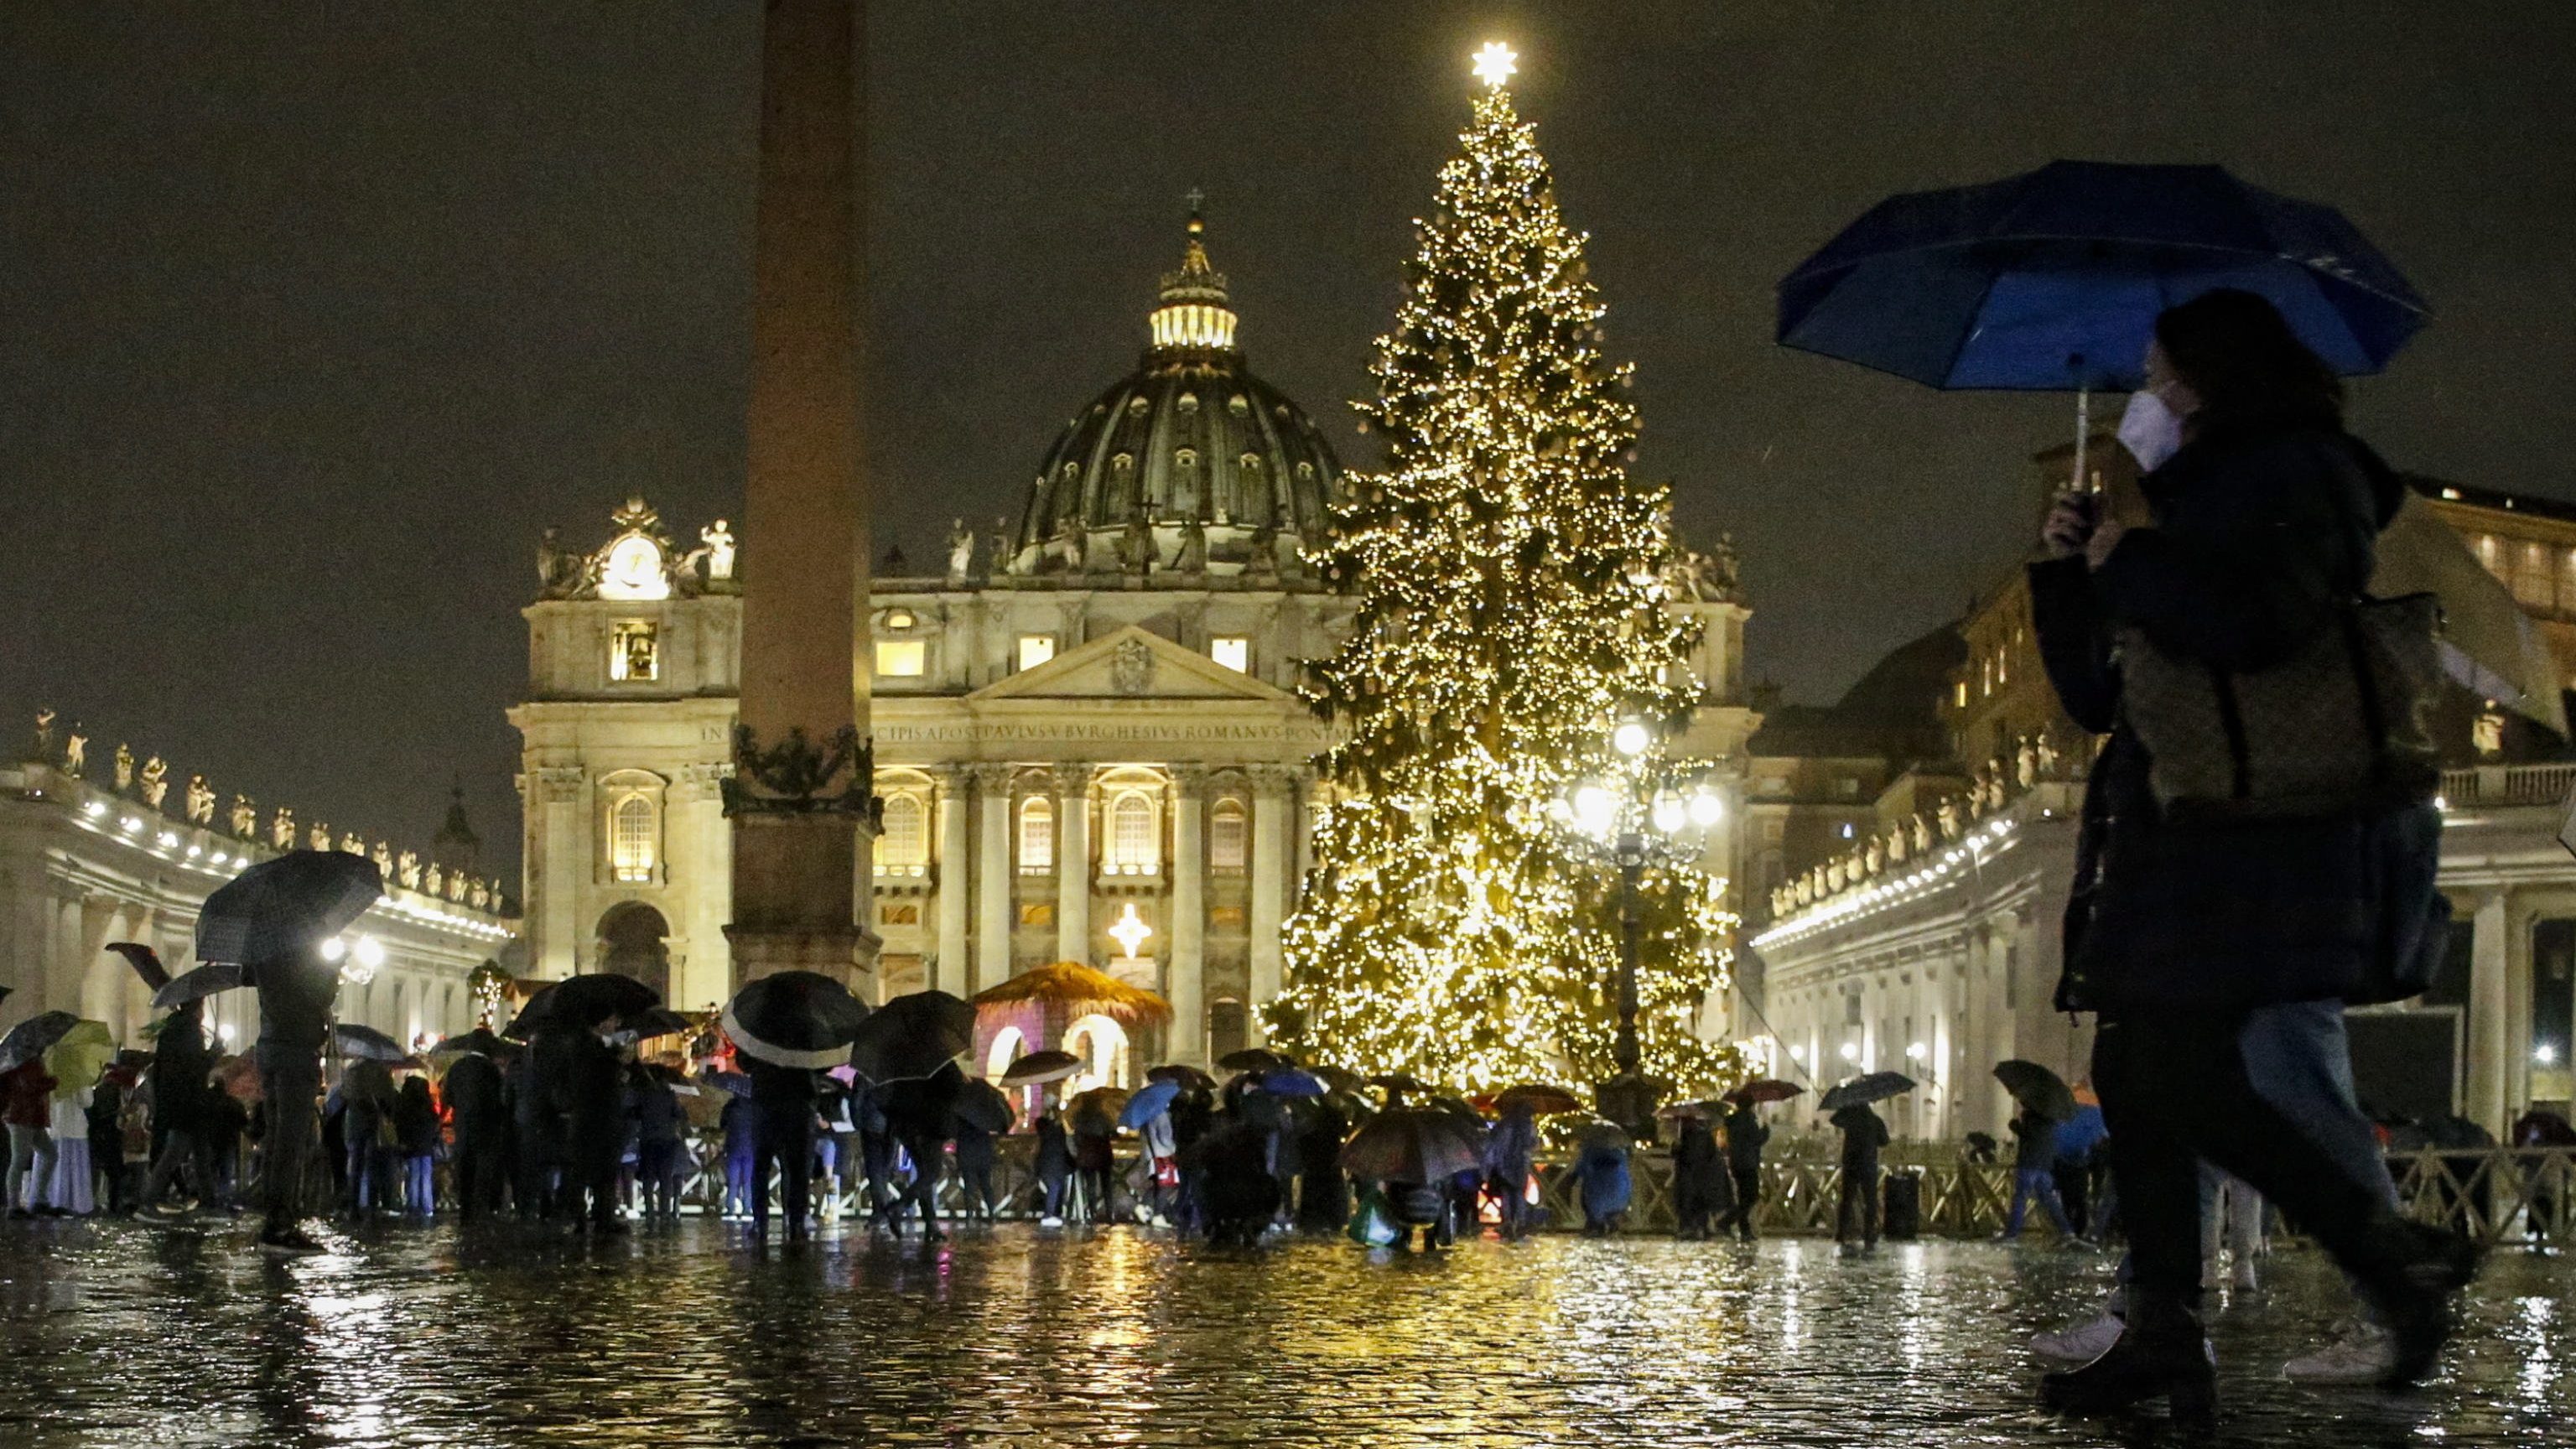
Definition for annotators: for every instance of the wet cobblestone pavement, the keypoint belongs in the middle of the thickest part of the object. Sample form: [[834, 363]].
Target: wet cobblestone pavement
[[128, 1335]]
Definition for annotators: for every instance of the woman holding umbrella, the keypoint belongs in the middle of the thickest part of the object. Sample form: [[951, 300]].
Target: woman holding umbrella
[[2218, 952]]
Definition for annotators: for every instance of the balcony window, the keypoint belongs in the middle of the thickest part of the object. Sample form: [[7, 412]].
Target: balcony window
[[1133, 834], [901, 658], [634, 838], [1037, 835], [903, 845], [1228, 837]]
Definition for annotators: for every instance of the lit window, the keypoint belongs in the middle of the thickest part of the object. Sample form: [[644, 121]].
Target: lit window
[[1233, 651], [1959, 694], [634, 651], [901, 658], [631, 842], [1132, 834], [903, 845], [1036, 649], [1037, 835], [1228, 837], [899, 619]]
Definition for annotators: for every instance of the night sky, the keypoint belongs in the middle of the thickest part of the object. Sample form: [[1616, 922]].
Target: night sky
[[311, 316]]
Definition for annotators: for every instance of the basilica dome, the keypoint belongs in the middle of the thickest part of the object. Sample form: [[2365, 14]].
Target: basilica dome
[[1188, 467]]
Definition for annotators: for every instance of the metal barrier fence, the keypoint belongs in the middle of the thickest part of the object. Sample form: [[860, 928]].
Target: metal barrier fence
[[2495, 1196]]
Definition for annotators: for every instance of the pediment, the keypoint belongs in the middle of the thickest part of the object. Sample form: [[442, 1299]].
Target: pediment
[[1133, 663]]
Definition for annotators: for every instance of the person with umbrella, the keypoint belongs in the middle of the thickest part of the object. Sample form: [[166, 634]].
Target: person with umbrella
[[1323, 1194], [1745, 1138], [478, 1112], [2035, 1174], [1094, 1129], [26, 1104], [1601, 1178], [976, 1154], [1856, 1214], [1700, 1186], [1054, 1165], [1510, 1156], [364, 1101], [2217, 953], [76, 1063], [921, 1112], [182, 1109], [789, 1027], [417, 1131]]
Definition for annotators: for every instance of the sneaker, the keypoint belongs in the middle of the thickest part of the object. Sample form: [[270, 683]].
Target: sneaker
[[1050, 1222], [2362, 1353], [2082, 1343]]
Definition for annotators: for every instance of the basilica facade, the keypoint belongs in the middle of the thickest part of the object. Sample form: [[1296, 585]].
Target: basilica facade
[[1086, 737]]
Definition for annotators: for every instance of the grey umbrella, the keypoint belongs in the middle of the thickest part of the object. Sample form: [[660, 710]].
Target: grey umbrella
[[201, 983], [284, 906], [366, 1044], [31, 1038], [1863, 1090]]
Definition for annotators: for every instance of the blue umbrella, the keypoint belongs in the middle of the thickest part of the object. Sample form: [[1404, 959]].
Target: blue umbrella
[[1290, 1082], [1152, 1100], [2051, 280]]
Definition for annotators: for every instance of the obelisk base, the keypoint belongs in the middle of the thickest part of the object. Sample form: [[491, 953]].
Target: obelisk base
[[807, 863]]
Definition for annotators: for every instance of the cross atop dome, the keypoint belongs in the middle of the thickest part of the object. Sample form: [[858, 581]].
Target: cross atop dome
[[1193, 314]]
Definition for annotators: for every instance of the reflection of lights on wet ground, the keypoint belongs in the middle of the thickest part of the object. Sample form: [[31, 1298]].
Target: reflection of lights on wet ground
[[2534, 1336]]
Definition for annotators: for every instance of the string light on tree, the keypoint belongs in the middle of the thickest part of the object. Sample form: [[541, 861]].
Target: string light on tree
[[1512, 609]]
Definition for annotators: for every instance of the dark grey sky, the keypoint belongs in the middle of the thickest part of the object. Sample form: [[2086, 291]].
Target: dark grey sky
[[312, 315]]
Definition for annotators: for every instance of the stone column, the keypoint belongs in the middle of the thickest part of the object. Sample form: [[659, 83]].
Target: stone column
[[562, 867], [994, 871], [2490, 1014], [1271, 802], [1073, 863], [700, 841], [1187, 981], [803, 773], [950, 801]]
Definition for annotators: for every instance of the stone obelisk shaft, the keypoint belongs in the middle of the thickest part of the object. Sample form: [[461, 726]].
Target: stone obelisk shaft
[[801, 792]]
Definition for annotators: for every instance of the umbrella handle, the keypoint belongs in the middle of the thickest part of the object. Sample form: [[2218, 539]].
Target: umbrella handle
[[2083, 426]]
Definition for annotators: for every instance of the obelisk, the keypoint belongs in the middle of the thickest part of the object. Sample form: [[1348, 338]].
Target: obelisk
[[801, 798]]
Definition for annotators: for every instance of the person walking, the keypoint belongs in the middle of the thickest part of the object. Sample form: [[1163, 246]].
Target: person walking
[[661, 1146], [740, 1125], [183, 1116], [2035, 1175], [1856, 1215], [2181, 932], [2231, 1220], [1510, 1157], [478, 1112], [1601, 1180], [976, 1157], [1699, 1177], [1745, 1137], [1093, 1131], [416, 1141], [366, 1104], [590, 1086]]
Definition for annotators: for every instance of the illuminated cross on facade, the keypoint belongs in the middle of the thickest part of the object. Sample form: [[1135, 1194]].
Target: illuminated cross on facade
[[1131, 931]]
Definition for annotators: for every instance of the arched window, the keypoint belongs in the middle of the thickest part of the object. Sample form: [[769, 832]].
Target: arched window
[[1229, 837], [634, 838], [1134, 839], [1037, 834], [903, 846]]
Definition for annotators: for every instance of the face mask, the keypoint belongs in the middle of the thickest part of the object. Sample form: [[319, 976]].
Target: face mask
[[2151, 431]]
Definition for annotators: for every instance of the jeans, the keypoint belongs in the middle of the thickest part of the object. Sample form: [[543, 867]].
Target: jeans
[[2298, 1058], [1856, 1215], [420, 1178], [2179, 1089], [741, 1187], [2039, 1183], [31, 1162]]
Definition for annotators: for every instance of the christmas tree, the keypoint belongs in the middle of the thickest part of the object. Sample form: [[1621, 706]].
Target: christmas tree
[[1511, 588]]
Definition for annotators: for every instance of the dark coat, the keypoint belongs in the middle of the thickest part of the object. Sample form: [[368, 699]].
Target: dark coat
[[1697, 1164], [476, 1099], [2035, 1143], [1863, 1135], [1055, 1153], [295, 1000], [1745, 1136], [416, 1125], [2261, 531], [180, 1061]]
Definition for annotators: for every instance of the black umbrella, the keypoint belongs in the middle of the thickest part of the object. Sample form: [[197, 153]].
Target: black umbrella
[[201, 983], [795, 1019], [480, 1041], [1412, 1144], [912, 1036], [1861, 1091], [1253, 1059], [583, 1002], [286, 905], [1764, 1089], [656, 1021], [31, 1038], [2037, 1088], [1040, 1067], [1190, 1077], [145, 961], [366, 1044], [981, 1104]]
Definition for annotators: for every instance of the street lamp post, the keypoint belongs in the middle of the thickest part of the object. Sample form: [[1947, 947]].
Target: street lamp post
[[1638, 824]]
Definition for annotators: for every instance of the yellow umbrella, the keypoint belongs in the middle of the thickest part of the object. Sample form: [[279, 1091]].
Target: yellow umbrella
[[2488, 643], [78, 1060]]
